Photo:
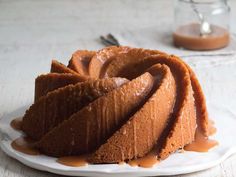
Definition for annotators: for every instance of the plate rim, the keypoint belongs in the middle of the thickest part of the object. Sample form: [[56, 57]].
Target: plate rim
[[74, 171]]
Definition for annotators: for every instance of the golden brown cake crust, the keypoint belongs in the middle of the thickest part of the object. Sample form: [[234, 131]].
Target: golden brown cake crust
[[48, 82], [140, 133], [58, 105], [80, 60], [92, 125], [117, 103]]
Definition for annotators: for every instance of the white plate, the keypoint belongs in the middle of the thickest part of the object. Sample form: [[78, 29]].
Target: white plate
[[178, 163]]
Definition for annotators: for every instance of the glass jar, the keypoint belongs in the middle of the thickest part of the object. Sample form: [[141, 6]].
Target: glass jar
[[201, 24]]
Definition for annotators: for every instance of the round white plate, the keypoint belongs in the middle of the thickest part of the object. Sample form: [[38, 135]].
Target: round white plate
[[178, 163]]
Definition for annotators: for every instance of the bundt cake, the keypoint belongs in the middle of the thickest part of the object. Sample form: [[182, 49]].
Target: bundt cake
[[116, 104]]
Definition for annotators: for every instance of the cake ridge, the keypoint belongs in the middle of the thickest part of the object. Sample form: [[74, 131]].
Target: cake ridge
[[107, 153], [80, 60], [72, 97], [95, 115]]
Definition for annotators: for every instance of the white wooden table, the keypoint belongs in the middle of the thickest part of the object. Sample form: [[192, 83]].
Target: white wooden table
[[34, 32]]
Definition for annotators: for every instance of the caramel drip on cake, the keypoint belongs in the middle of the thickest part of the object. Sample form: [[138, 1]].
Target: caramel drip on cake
[[202, 143], [117, 104], [16, 123], [98, 117], [153, 115]]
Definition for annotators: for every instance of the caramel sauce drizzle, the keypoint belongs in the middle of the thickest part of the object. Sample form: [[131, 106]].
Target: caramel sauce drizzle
[[16, 123], [23, 144], [202, 143], [26, 145]]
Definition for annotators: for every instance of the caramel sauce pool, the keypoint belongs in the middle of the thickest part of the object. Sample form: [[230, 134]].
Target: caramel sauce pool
[[212, 129], [202, 143], [147, 161], [16, 123], [73, 161], [24, 145]]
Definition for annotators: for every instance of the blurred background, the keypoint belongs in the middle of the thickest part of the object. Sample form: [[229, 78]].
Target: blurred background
[[34, 32]]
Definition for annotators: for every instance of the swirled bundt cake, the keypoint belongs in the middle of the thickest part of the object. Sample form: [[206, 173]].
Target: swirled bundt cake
[[116, 104]]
